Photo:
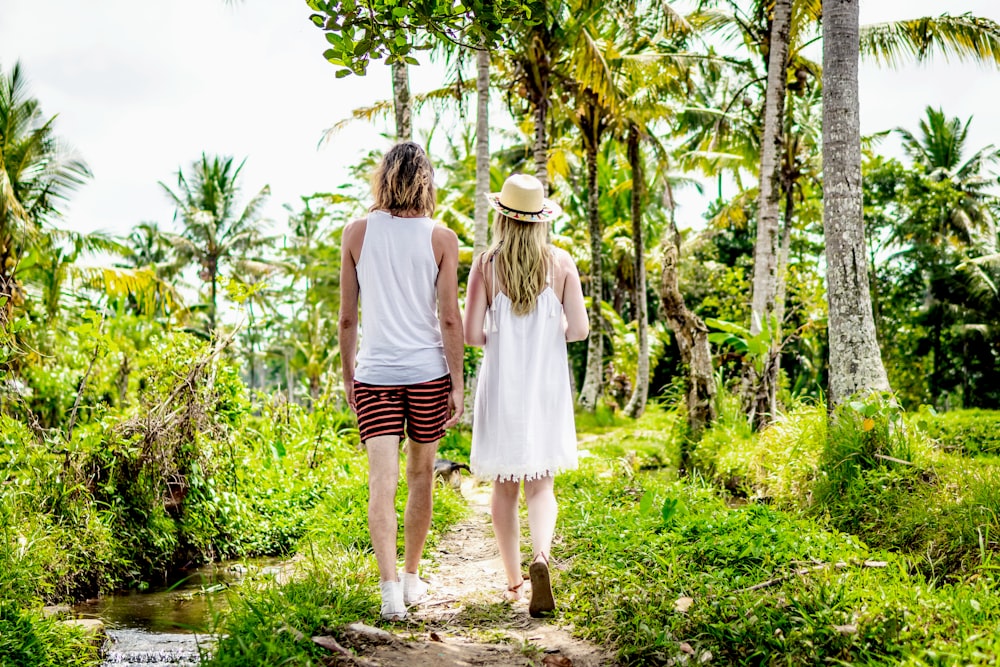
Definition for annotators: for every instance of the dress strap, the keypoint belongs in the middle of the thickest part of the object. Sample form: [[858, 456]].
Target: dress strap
[[548, 283], [493, 299]]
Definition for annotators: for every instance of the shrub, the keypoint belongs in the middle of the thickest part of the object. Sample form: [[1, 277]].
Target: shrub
[[28, 639], [864, 435]]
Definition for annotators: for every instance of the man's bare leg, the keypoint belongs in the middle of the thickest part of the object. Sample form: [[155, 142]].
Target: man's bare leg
[[383, 480], [419, 501]]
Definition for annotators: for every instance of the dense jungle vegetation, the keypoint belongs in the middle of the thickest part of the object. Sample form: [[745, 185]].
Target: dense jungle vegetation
[[173, 397]]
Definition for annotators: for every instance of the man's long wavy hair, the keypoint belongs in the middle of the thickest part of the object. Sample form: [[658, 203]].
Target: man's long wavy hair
[[404, 181], [520, 252]]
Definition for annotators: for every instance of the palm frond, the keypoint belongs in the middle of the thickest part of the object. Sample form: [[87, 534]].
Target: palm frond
[[251, 211], [141, 284], [592, 72], [964, 37], [384, 109]]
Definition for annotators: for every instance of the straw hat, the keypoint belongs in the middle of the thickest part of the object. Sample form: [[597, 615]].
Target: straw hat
[[522, 199]]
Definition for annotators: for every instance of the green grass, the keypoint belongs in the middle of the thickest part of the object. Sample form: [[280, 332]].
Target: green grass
[[28, 639], [337, 584], [966, 432], [637, 542], [271, 624]]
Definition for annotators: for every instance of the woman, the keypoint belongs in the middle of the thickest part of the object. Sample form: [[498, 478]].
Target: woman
[[524, 302]]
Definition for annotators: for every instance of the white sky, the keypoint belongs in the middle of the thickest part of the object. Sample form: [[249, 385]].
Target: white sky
[[142, 89]]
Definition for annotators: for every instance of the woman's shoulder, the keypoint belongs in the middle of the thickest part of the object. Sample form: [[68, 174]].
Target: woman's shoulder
[[561, 257], [559, 254]]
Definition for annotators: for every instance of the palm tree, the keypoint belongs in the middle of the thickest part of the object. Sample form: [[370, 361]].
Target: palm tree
[[481, 233], [940, 151], [401, 100], [215, 231], [767, 247], [620, 72], [855, 360], [964, 36], [951, 222], [36, 173], [311, 262]]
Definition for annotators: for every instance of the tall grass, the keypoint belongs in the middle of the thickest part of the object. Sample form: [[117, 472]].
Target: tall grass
[[666, 573]]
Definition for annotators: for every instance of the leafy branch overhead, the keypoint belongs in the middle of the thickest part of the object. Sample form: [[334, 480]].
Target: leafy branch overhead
[[362, 30]]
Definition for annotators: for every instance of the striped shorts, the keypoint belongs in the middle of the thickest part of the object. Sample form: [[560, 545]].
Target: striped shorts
[[382, 410]]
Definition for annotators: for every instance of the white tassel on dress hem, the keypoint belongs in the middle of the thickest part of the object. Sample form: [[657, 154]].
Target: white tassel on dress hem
[[518, 476]]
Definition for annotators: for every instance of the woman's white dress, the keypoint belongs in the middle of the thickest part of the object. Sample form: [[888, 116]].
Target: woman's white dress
[[523, 425]]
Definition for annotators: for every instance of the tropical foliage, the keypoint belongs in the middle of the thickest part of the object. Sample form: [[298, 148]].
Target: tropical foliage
[[172, 397]]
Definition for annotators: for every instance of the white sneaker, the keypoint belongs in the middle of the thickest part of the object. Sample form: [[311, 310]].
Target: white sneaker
[[393, 608], [414, 589]]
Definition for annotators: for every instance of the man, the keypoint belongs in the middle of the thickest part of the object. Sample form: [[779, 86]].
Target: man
[[406, 379]]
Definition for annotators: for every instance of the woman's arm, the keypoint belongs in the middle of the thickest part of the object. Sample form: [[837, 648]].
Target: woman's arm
[[475, 306], [574, 309]]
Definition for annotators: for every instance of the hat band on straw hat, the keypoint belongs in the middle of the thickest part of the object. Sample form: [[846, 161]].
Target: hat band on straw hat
[[511, 208]]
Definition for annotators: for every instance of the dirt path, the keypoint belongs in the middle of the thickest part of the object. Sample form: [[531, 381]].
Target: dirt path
[[465, 621]]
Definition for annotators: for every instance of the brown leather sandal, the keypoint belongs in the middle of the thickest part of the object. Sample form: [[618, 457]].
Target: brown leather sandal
[[542, 601]]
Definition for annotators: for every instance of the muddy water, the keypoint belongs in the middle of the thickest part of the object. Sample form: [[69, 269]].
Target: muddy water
[[168, 626]]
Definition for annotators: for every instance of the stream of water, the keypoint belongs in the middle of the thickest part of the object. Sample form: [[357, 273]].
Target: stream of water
[[167, 626]]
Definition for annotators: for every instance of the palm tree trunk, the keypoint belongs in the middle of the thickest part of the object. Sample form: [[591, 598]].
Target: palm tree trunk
[[253, 347], [640, 392], [691, 335], [855, 360], [289, 378], [480, 239], [779, 298], [537, 64], [762, 390], [540, 148], [876, 295], [401, 100], [214, 296], [594, 376], [314, 389], [481, 231], [8, 265]]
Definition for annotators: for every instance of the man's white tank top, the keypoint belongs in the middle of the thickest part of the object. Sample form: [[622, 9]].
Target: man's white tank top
[[397, 274]]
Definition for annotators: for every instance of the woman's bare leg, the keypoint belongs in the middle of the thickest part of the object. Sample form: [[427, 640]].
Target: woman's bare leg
[[507, 529], [542, 511]]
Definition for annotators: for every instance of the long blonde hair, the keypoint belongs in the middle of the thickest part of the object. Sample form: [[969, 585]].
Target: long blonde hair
[[404, 181], [521, 255]]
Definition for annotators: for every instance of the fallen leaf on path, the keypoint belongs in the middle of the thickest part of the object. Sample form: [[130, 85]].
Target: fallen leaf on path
[[436, 638], [553, 660], [683, 604]]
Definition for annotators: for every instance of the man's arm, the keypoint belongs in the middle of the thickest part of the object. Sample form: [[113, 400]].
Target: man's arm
[[347, 333], [445, 244]]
